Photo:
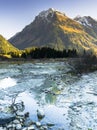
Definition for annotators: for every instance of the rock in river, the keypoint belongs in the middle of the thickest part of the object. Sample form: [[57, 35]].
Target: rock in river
[[40, 114], [6, 118]]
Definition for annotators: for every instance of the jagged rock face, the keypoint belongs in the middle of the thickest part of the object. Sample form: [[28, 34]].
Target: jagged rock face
[[54, 29], [89, 24], [86, 20]]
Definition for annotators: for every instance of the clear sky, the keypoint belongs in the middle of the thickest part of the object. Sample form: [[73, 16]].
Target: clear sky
[[16, 14]]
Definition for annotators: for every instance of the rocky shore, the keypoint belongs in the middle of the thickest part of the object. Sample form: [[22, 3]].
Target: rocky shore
[[18, 120]]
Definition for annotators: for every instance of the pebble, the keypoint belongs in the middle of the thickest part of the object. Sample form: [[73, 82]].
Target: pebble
[[25, 129], [28, 122], [22, 121], [9, 126], [40, 114], [20, 114], [38, 124], [45, 127], [13, 125], [31, 128], [16, 122], [18, 127]]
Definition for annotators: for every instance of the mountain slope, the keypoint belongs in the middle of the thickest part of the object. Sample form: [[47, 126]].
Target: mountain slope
[[54, 29], [6, 47]]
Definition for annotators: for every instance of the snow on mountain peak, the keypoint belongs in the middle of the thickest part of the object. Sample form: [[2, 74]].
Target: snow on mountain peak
[[44, 14], [50, 12], [83, 20]]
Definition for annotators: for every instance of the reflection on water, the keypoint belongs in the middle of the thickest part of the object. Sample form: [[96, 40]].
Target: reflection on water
[[70, 102]]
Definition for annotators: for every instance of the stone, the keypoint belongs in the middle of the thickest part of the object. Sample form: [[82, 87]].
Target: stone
[[16, 121], [10, 126], [20, 106], [41, 128], [38, 124], [25, 129], [6, 118], [21, 120], [18, 127], [20, 114], [45, 127], [26, 115], [40, 114], [13, 125], [31, 128], [28, 122], [1, 128], [50, 124]]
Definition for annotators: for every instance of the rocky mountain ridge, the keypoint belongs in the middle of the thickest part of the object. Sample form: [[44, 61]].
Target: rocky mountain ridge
[[54, 29], [89, 24]]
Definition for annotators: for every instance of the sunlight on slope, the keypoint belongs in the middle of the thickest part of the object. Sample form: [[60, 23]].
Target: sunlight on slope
[[70, 30]]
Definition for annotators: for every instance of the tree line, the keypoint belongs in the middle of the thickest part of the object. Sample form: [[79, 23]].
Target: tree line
[[46, 52]]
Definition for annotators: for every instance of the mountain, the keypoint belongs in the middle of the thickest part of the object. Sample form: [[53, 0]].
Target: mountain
[[54, 29], [6, 48], [89, 24]]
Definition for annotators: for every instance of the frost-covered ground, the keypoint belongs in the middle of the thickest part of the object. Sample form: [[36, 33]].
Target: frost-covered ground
[[70, 102]]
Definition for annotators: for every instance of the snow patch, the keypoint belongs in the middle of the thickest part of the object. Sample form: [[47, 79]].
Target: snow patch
[[50, 12], [44, 14], [83, 20]]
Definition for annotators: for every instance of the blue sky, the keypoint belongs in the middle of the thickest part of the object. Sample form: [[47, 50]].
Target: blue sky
[[16, 14]]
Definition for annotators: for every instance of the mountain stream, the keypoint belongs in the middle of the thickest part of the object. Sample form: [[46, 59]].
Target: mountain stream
[[68, 101]]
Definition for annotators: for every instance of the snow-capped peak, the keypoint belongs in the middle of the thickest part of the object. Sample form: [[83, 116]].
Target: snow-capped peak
[[83, 20], [50, 12], [44, 14]]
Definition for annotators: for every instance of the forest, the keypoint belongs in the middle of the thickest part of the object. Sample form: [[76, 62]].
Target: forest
[[46, 52]]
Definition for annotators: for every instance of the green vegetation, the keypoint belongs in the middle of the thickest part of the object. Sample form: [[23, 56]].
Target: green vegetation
[[6, 47], [46, 52], [7, 50]]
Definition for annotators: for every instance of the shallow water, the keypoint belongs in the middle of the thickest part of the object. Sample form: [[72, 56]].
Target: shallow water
[[70, 102]]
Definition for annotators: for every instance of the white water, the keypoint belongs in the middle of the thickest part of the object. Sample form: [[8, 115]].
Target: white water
[[7, 82]]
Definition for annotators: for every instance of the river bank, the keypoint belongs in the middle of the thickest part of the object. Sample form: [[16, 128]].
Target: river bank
[[68, 101], [16, 119]]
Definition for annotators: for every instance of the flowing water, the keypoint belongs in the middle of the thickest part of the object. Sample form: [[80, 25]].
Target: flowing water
[[68, 101]]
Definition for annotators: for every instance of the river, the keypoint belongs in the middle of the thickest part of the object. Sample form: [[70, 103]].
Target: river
[[69, 101]]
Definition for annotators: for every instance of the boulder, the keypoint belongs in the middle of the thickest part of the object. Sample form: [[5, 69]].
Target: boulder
[[31, 128], [6, 118], [28, 122], [40, 114], [18, 127], [38, 124]]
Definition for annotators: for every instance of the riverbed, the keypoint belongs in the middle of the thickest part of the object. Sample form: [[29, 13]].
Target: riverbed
[[69, 101]]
